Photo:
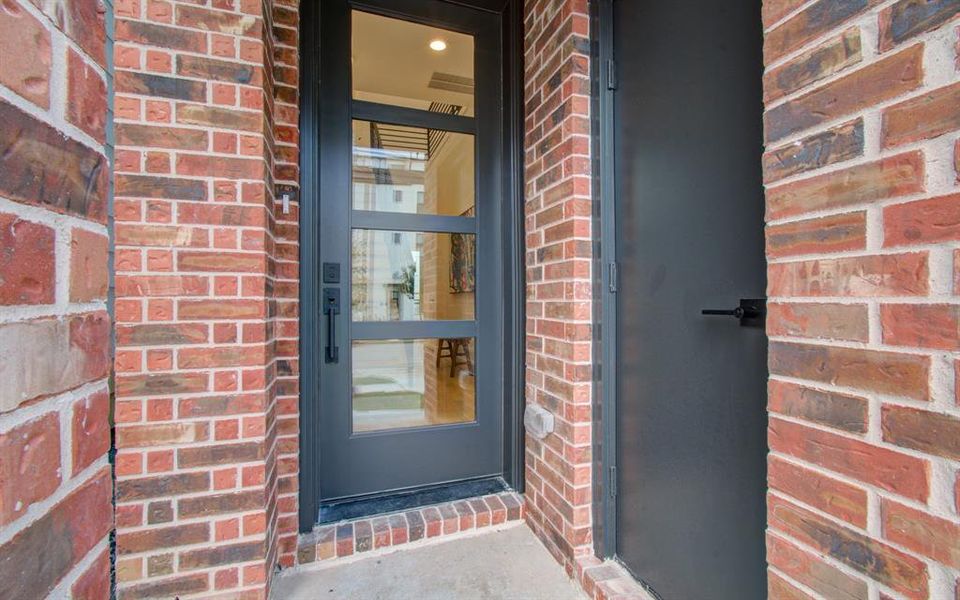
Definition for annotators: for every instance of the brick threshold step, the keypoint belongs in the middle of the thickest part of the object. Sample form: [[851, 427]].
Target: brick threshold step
[[355, 537], [608, 580]]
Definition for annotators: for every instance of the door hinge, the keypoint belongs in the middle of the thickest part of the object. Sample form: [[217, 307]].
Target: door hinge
[[612, 277], [611, 75], [612, 483]]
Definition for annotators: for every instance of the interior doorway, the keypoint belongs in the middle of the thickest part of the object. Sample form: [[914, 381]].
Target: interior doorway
[[690, 385]]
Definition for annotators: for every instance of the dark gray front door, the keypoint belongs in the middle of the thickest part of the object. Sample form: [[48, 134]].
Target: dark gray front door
[[411, 281], [692, 388]]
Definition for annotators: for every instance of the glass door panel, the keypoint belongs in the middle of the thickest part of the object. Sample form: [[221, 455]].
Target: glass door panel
[[408, 64], [415, 170], [412, 383], [412, 276]]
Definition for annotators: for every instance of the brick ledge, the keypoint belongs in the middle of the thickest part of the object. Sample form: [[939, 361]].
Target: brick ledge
[[389, 530], [608, 580]]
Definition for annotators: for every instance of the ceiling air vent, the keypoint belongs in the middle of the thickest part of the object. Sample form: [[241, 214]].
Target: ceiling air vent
[[451, 83]]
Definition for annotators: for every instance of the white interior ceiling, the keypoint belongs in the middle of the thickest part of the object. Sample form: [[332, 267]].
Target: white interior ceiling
[[393, 62]]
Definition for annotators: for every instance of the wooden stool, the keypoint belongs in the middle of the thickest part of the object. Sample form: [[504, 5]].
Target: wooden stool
[[455, 349]]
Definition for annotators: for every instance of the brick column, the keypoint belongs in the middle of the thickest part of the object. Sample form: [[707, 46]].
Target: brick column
[[55, 486], [863, 205], [286, 40], [197, 311], [558, 263]]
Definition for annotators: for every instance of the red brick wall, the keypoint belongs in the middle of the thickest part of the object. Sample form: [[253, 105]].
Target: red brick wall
[[558, 268], [863, 205], [55, 487], [286, 19], [206, 295]]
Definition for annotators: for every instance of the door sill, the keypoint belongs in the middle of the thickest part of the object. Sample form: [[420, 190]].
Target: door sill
[[343, 510]]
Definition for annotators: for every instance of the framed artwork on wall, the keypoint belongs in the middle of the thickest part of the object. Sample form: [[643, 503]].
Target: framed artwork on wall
[[463, 252]]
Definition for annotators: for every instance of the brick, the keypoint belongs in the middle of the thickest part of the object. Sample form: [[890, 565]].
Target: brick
[[880, 81], [158, 235], [212, 116], [417, 526], [155, 286], [42, 166], [166, 588], [206, 506], [811, 571], [908, 18], [236, 356], [837, 233], [62, 537], [921, 325], [86, 97], [48, 356], [363, 536], [161, 564], [27, 71], [206, 456], [161, 384], [924, 117], [929, 432], [808, 24], [871, 370], [922, 533], [91, 430], [922, 222], [216, 406], [218, 21], [221, 309], [779, 588], [88, 266], [839, 411], [213, 69], [161, 434], [144, 186], [129, 490], [837, 144], [854, 277], [162, 334], [27, 263], [842, 500], [94, 583], [875, 559], [221, 555], [861, 184], [887, 469], [29, 465], [813, 65], [157, 136], [149, 540], [84, 23], [160, 36], [825, 321], [159, 86], [229, 262]]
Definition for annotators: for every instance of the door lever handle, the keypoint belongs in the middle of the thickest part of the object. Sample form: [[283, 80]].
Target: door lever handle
[[331, 308], [750, 312]]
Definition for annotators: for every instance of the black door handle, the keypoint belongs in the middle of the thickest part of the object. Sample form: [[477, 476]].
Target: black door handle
[[750, 312], [331, 308]]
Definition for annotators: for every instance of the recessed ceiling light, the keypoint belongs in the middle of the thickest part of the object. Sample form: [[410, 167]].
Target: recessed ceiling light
[[438, 45]]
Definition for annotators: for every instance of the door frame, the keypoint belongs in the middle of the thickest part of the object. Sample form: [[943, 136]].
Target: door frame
[[510, 14], [603, 76]]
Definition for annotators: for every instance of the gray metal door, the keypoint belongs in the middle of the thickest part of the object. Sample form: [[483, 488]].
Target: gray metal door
[[411, 279], [691, 401]]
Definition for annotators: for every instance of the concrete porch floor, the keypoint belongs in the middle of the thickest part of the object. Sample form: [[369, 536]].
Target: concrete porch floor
[[507, 563]]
